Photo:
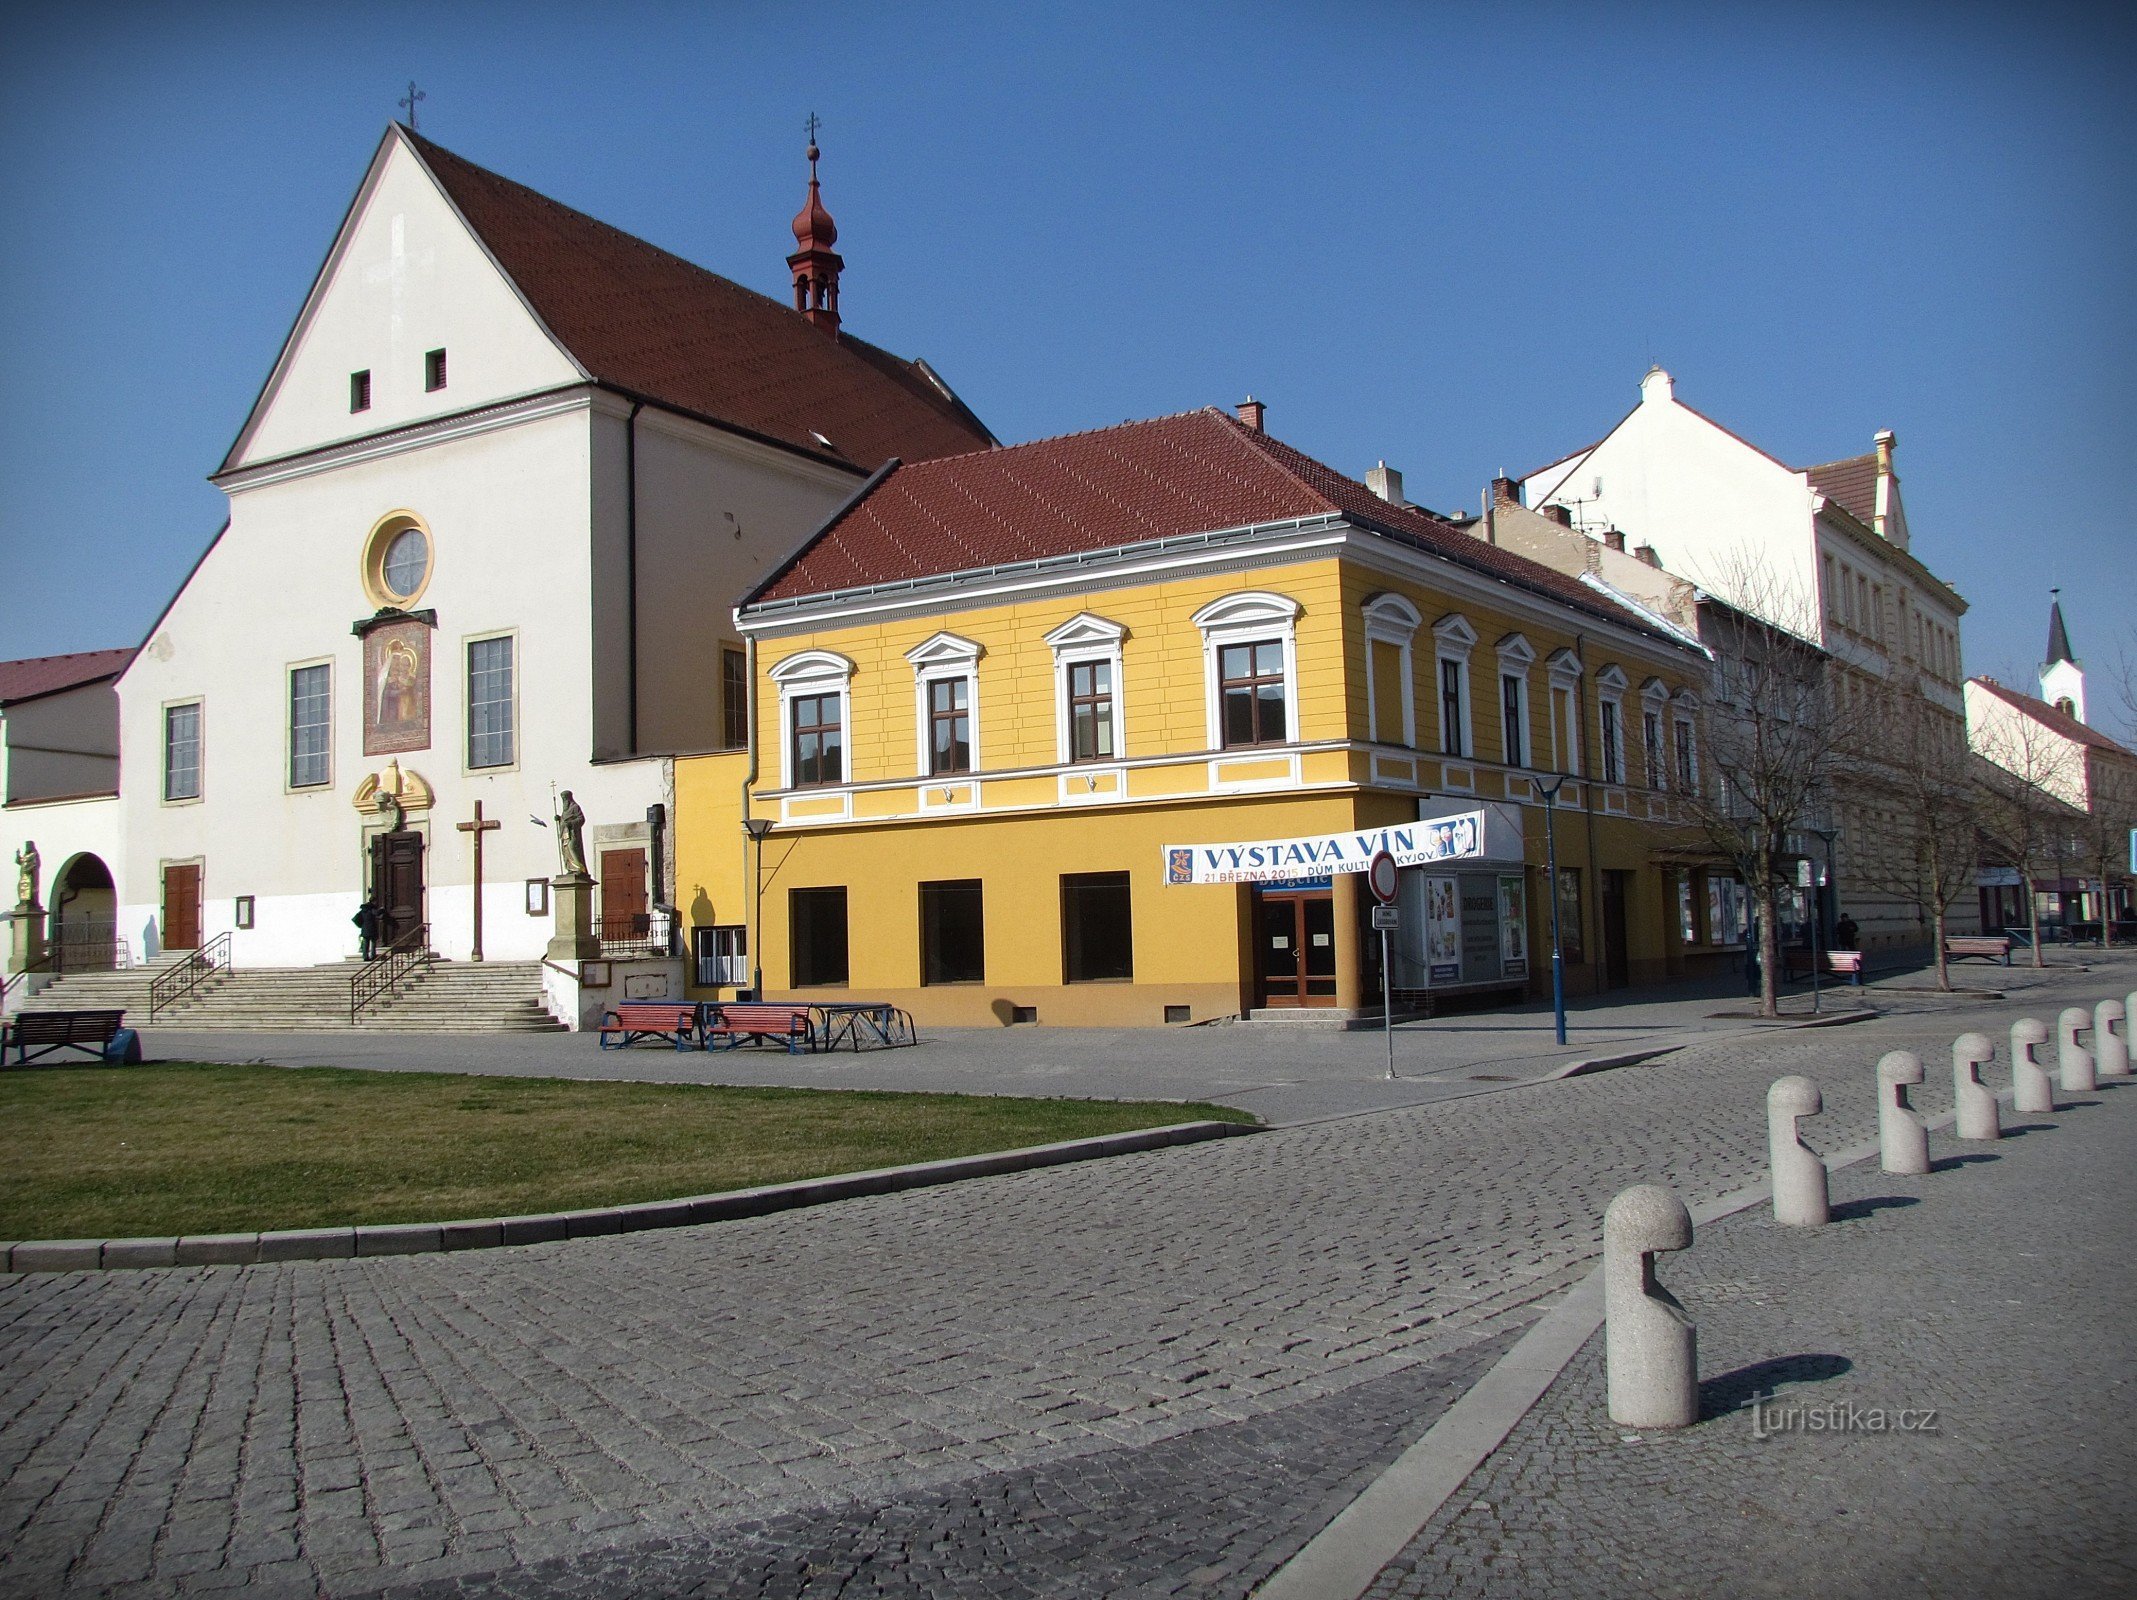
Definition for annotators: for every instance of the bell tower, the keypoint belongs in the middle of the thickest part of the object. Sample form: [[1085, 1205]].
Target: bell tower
[[814, 263], [2062, 674]]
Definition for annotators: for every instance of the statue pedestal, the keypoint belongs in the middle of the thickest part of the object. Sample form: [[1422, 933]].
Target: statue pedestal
[[571, 903], [26, 938]]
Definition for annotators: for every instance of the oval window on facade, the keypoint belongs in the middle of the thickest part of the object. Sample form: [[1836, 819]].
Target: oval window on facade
[[407, 562], [397, 560]]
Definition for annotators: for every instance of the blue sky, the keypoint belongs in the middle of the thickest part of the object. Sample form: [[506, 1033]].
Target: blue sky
[[1450, 236]]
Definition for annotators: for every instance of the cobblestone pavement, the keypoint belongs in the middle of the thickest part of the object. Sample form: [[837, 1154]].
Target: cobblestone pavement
[[341, 1426], [1997, 1291]]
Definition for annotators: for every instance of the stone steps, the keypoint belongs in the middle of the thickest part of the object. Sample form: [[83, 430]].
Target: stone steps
[[450, 997]]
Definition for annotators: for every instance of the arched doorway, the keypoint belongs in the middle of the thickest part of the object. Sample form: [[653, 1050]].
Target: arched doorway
[[84, 908]]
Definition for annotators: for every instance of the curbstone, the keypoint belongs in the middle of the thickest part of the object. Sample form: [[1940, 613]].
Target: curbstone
[[139, 1253], [595, 1222], [308, 1244], [482, 1234], [530, 1230], [57, 1255], [399, 1239], [653, 1214], [7, 1255], [219, 1250]]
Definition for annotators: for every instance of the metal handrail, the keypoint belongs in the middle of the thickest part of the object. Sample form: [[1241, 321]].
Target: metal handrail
[[181, 978], [381, 978], [8, 980]]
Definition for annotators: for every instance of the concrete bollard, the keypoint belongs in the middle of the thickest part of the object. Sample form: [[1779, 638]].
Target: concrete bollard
[[2072, 1057], [1650, 1345], [2031, 1089], [1970, 1052], [1799, 1197], [1904, 1141], [2110, 1040]]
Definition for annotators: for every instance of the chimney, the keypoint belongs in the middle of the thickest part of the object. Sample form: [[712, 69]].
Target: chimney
[[1561, 515], [1614, 537], [1881, 518], [1504, 492], [1646, 553], [1884, 442], [1385, 481], [1251, 413]]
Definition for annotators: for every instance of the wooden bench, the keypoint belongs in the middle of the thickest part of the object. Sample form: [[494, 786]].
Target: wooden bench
[[1989, 947], [675, 1021], [758, 1022], [1837, 964], [90, 1032]]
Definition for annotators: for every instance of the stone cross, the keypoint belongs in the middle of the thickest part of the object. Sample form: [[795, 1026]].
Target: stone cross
[[476, 830], [1902, 1139], [1977, 1116]]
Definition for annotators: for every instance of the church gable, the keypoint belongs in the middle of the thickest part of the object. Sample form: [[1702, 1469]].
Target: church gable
[[409, 319]]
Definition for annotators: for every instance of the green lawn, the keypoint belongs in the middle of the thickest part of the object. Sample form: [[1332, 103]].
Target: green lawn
[[178, 1148]]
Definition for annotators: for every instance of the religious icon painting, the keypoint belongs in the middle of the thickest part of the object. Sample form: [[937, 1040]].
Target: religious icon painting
[[397, 689]]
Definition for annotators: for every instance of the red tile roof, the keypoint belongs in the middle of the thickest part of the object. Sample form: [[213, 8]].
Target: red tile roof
[[2054, 721], [655, 325], [1852, 483], [27, 679], [1198, 472]]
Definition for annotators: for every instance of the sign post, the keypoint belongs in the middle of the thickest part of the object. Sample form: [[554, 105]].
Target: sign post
[[1381, 876]]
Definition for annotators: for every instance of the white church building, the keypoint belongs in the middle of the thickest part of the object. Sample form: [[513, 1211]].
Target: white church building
[[488, 518]]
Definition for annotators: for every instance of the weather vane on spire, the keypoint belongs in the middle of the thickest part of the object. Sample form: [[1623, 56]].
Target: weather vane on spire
[[408, 102]]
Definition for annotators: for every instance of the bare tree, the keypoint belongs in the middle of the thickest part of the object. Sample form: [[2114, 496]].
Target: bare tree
[[1771, 735], [1921, 774], [2018, 771], [2103, 830]]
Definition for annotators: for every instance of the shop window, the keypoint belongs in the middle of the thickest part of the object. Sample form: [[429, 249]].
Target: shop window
[[1097, 936], [722, 957], [952, 932], [816, 921]]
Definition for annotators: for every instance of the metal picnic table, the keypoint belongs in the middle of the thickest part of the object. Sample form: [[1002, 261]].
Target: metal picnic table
[[865, 1025]]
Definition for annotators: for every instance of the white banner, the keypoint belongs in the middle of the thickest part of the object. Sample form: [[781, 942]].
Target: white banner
[[1278, 860]]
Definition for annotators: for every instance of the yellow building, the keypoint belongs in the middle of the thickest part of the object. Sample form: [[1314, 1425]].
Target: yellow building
[[1023, 717]]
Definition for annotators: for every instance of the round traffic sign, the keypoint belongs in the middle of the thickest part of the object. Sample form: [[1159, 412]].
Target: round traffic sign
[[1380, 874]]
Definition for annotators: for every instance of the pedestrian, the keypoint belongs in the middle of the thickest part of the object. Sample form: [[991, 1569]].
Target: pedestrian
[[366, 920], [1845, 933]]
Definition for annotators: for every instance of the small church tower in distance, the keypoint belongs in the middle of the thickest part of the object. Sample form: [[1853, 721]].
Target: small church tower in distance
[[2062, 674], [814, 263]]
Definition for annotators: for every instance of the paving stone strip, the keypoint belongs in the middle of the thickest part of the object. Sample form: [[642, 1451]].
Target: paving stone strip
[[338, 1426]]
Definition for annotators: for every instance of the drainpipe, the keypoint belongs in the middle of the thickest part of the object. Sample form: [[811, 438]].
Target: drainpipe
[[630, 563], [1592, 910], [749, 783]]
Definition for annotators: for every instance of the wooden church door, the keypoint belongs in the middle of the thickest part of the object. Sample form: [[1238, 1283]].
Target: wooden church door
[[397, 884]]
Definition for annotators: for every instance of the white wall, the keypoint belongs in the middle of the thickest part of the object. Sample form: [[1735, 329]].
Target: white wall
[[60, 745], [61, 830]]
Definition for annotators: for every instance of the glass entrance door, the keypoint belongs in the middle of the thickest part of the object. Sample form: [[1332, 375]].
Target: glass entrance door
[[1296, 943]]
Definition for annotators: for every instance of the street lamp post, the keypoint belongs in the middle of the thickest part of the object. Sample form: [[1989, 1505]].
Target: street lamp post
[[1550, 857], [756, 828], [1818, 906]]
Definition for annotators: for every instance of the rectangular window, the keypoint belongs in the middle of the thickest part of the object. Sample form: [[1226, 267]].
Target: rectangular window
[[1451, 740], [1097, 939], [723, 958], [816, 921], [1613, 754], [434, 370], [953, 946], [819, 740], [1651, 743], [360, 390], [1832, 591], [1513, 713], [1251, 680], [1090, 702], [734, 698], [1685, 769], [950, 725], [1565, 727], [181, 752], [309, 704], [492, 734]]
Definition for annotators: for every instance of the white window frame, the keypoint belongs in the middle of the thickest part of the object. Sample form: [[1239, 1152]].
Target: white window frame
[[1684, 728], [289, 726], [944, 658], [814, 672], [1390, 619], [1565, 679], [467, 702], [1250, 617], [1516, 657], [1654, 702], [1610, 686], [199, 707], [1453, 640], [1080, 641]]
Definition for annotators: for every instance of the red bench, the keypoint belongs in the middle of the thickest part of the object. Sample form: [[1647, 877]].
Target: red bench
[[90, 1032], [792, 1026], [676, 1021], [1837, 964]]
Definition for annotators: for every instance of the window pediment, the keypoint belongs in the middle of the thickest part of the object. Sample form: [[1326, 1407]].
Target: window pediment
[[1254, 608], [1454, 632], [1516, 653], [1654, 690], [1612, 677], [1084, 631], [1565, 666], [945, 650], [813, 666], [1391, 617]]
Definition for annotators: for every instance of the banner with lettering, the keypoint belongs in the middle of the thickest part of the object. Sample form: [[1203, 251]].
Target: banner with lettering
[[1276, 860]]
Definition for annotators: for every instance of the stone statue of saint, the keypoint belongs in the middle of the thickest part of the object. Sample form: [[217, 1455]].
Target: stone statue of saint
[[571, 838], [26, 861]]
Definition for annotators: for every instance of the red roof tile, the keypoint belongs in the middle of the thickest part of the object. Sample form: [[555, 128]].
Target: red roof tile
[[1198, 472], [27, 679], [2054, 721], [655, 325], [1852, 483]]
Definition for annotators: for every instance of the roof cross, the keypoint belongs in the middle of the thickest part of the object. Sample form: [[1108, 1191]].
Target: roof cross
[[812, 125], [408, 103]]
